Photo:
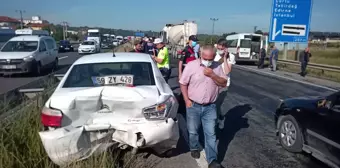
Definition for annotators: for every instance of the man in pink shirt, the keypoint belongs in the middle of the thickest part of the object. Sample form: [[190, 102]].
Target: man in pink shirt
[[200, 83]]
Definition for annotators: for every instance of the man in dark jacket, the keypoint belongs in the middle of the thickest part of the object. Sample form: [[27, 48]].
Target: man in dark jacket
[[189, 54], [262, 57], [304, 59]]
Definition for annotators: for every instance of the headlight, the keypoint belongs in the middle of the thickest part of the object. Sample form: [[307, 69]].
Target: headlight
[[93, 48], [61, 46], [29, 58], [159, 111]]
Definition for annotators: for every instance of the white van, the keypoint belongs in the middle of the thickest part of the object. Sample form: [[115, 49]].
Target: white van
[[246, 46], [28, 54]]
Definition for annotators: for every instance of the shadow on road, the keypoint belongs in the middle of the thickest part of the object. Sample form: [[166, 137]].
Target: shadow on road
[[234, 121]]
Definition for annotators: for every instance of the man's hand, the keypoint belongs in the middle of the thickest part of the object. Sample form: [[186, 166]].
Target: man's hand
[[188, 103], [179, 76], [225, 52], [153, 57], [208, 72]]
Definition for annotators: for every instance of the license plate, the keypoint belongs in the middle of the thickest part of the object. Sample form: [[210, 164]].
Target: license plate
[[67, 48], [113, 80], [9, 67]]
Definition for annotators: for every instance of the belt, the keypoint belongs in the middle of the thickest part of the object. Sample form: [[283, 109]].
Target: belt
[[204, 104]]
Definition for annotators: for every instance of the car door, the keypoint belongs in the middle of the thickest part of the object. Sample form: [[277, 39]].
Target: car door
[[52, 48], [322, 131], [43, 55]]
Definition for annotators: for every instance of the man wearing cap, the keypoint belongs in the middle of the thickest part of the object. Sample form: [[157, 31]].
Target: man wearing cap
[[189, 54], [162, 59]]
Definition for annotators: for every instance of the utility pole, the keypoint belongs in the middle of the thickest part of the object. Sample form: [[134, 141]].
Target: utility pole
[[64, 24], [213, 27], [21, 18]]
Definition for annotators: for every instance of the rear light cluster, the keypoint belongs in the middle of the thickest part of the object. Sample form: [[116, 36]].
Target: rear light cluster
[[51, 117], [159, 111]]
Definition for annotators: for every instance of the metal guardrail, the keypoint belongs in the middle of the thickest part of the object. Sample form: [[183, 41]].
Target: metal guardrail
[[16, 96], [321, 67]]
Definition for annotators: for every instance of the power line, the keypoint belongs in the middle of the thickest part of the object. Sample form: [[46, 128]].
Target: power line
[[21, 18], [213, 26]]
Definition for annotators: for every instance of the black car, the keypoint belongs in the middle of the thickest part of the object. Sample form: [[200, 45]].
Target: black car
[[65, 46], [106, 45], [311, 124]]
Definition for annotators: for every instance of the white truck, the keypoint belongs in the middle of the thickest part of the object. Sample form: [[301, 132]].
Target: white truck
[[94, 35], [177, 35]]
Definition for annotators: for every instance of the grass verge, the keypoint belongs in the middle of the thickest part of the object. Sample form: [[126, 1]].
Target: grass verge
[[21, 147]]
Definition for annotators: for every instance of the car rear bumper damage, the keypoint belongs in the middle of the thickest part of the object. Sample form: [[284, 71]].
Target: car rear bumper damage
[[68, 144]]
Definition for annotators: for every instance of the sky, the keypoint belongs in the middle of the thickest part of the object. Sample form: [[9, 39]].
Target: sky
[[238, 16]]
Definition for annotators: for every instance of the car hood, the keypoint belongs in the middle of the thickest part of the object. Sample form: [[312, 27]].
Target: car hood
[[78, 104], [307, 102], [15, 55]]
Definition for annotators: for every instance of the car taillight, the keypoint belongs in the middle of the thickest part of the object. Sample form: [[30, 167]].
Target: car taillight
[[159, 111], [51, 117]]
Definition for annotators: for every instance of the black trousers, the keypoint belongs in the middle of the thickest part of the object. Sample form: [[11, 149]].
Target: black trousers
[[260, 63], [166, 72], [303, 68]]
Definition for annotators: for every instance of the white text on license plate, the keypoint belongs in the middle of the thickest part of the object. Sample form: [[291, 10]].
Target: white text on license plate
[[9, 67], [117, 79]]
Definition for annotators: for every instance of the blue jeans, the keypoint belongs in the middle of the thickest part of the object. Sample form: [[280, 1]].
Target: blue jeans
[[205, 115]]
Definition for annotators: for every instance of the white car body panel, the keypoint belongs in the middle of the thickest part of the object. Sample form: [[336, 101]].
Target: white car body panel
[[122, 121], [88, 49]]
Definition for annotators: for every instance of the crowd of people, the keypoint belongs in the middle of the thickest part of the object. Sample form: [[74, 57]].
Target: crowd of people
[[204, 77]]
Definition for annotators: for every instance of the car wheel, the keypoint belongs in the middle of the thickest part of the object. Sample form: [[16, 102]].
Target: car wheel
[[290, 134], [37, 69]]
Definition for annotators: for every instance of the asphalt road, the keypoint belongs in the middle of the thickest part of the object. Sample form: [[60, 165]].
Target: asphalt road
[[15, 81], [248, 139]]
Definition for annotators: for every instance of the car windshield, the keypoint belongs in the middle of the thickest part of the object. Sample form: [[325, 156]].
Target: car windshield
[[94, 34], [245, 44], [87, 43], [83, 75], [20, 46]]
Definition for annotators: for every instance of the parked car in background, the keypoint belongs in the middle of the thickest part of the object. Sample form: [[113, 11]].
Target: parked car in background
[[311, 124], [28, 54], [115, 42], [65, 45], [107, 100], [88, 47]]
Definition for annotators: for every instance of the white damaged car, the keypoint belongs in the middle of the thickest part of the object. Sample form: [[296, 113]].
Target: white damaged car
[[109, 100]]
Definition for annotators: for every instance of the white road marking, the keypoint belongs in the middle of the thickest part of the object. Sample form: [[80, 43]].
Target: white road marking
[[60, 58], [295, 80]]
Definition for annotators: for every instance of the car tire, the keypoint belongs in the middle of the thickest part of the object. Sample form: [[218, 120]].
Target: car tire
[[37, 69], [288, 126]]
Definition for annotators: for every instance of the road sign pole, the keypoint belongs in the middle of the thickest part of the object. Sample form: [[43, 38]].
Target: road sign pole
[[285, 48]]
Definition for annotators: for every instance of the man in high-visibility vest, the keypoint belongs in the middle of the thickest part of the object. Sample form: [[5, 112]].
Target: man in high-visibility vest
[[162, 58]]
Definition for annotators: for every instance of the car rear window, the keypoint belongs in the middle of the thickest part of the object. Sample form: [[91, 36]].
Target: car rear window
[[88, 43], [81, 75], [245, 44]]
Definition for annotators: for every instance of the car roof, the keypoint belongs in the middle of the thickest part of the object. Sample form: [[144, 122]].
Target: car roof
[[108, 57], [28, 38]]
